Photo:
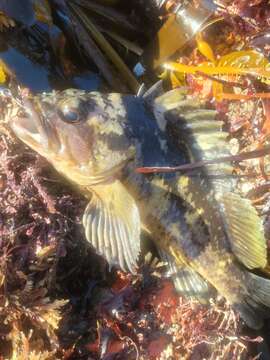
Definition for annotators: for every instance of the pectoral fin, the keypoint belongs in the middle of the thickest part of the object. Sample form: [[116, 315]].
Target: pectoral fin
[[245, 231], [112, 225]]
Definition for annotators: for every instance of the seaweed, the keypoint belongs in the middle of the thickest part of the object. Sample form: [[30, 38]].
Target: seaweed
[[58, 300]]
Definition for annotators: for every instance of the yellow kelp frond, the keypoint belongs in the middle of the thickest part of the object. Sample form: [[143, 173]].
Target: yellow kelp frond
[[262, 73], [2, 75], [204, 48], [236, 63], [5, 72], [230, 96], [244, 59], [252, 61], [176, 79]]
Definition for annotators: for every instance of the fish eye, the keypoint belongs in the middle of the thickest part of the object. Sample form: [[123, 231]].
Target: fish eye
[[72, 111], [69, 115]]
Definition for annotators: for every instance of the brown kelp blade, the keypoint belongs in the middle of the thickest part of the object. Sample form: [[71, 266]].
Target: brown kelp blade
[[108, 2], [94, 53], [109, 14], [20, 10], [127, 44], [108, 50]]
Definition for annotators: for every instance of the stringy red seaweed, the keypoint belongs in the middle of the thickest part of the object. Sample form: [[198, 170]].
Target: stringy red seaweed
[[57, 298]]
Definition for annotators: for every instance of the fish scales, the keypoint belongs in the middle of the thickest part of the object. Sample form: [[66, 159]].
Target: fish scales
[[202, 228]]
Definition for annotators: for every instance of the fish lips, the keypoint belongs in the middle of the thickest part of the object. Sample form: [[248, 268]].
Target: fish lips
[[30, 127]]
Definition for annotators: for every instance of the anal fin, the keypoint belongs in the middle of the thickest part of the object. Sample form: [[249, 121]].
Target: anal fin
[[187, 281]]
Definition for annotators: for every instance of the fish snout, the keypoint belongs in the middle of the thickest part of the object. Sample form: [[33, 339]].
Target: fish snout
[[27, 124]]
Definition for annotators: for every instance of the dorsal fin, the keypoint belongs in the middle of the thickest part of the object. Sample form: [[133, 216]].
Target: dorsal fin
[[202, 135]]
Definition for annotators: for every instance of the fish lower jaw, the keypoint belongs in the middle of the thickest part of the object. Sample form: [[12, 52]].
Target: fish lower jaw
[[33, 139]]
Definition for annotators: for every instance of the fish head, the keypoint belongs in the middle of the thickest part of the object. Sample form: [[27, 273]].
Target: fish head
[[82, 134]]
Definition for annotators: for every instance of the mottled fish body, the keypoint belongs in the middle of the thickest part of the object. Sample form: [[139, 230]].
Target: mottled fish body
[[207, 233]]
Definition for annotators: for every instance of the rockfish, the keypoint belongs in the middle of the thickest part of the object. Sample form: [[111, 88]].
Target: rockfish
[[209, 235]]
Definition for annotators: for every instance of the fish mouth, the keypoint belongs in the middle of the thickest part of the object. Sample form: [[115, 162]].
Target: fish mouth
[[29, 126]]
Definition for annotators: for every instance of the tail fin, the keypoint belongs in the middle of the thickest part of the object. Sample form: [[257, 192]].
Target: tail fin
[[256, 305]]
